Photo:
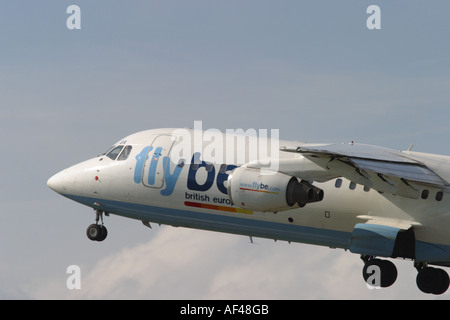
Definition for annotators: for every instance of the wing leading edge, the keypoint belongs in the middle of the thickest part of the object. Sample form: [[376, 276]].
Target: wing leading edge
[[382, 169]]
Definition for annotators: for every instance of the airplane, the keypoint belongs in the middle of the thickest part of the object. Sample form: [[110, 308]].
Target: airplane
[[380, 203]]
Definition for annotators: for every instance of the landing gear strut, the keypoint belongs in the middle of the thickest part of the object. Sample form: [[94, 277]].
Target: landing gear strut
[[96, 232], [431, 280]]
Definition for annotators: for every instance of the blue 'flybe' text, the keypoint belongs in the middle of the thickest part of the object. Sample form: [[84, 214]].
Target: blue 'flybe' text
[[149, 165]]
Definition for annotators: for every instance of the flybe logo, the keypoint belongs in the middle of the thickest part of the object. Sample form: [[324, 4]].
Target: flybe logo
[[261, 187], [149, 170]]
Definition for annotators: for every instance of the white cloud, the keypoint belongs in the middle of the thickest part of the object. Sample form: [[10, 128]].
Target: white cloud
[[174, 264], [181, 263]]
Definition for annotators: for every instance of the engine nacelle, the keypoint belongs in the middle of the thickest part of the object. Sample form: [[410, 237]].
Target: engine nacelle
[[249, 189]]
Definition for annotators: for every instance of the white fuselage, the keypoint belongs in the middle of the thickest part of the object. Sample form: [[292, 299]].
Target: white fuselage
[[163, 183]]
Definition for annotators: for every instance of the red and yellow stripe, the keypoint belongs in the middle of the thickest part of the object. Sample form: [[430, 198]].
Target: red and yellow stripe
[[216, 207]]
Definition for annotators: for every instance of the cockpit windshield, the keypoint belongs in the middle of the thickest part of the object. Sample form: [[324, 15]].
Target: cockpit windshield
[[114, 152], [125, 153], [120, 153]]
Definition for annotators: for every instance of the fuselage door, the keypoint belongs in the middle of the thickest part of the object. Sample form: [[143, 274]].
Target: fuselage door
[[154, 167]]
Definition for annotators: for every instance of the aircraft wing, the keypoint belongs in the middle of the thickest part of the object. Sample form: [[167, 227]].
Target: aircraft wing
[[382, 169]]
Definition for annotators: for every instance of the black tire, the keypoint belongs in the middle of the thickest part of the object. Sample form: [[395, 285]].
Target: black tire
[[444, 282], [425, 280], [104, 233], [387, 273], [94, 232], [432, 280]]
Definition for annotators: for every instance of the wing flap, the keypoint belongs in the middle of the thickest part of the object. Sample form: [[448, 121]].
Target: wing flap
[[382, 169], [408, 171]]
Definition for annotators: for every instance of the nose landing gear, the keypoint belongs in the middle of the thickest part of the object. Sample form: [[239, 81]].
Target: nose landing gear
[[96, 232]]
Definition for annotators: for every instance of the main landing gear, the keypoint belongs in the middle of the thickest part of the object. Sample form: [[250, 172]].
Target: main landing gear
[[96, 232], [383, 273], [431, 280], [379, 273]]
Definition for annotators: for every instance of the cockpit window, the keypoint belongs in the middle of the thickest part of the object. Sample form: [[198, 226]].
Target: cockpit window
[[114, 152], [104, 153], [125, 153]]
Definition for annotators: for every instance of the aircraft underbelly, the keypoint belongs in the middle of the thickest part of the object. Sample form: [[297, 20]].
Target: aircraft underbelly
[[242, 225], [202, 219]]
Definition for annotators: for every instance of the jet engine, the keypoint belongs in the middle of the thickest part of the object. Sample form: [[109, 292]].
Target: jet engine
[[248, 188]]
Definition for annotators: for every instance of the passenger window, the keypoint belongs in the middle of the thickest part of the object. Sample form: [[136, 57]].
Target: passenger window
[[125, 153], [181, 163], [439, 196], [209, 166], [366, 188], [223, 168], [425, 194], [352, 186], [338, 183], [195, 164], [114, 152]]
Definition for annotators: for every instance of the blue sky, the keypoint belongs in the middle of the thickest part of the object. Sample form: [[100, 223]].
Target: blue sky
[[309, 68]]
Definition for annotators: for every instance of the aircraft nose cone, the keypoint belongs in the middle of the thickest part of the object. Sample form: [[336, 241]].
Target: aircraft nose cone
[[57, 182]]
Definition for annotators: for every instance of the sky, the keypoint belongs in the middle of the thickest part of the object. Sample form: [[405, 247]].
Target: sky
[[311, 69]]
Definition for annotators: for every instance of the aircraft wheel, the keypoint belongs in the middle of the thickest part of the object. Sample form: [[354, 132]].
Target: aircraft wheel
[[382, 273], [104, 233], [96, 232], [432, 280]]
